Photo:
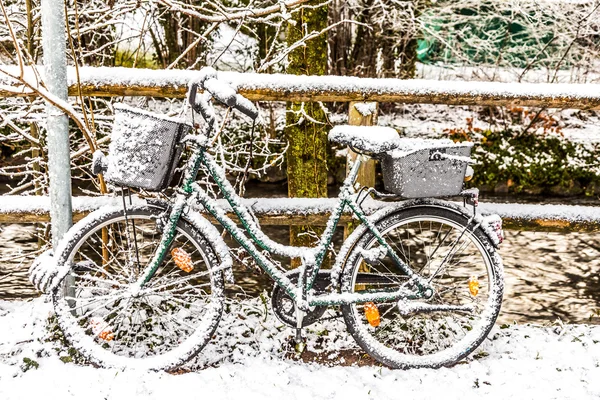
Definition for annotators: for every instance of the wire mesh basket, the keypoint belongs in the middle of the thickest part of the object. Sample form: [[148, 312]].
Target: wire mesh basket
[[145, 149], [435, 169]]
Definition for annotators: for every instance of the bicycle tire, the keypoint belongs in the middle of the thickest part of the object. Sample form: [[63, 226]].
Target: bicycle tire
[[425, 339], [162, 328]]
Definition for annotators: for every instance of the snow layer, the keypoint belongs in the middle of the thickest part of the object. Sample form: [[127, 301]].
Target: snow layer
[[177, 79], [281, 82], [302, 206], [522, 362], [372, 139], [41, 204]]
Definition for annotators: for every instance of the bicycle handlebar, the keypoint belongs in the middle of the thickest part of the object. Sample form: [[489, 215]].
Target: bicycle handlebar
[[245, 106], [222, 92]]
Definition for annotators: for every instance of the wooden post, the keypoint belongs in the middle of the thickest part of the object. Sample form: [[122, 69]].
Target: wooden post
[[362, 114]]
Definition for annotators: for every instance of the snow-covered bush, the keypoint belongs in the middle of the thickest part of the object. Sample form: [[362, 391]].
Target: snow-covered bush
[[530, 154]]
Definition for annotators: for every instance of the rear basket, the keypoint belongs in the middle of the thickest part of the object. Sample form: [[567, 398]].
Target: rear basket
[[145, 149], [425, 172]]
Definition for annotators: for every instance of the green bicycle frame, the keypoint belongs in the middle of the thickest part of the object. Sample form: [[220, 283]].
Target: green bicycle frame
[[312, 258]]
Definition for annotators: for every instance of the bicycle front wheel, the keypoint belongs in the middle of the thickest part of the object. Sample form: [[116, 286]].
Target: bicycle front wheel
[[461, 265], [161, 327]]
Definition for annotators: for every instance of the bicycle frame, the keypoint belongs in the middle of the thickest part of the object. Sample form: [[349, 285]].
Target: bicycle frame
[[312, 258]]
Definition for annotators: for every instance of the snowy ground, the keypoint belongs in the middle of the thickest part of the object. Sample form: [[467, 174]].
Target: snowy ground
[[522, 362]]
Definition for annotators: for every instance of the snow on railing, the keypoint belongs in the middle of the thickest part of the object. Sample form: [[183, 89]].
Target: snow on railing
[[110, 81], [315, 211]]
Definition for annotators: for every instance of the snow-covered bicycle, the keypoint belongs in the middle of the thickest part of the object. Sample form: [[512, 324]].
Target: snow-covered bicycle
[[419, 282]]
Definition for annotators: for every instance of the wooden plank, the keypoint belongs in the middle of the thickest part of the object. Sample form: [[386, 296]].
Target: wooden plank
[[361, 114], [366, 173], [319, 219], [549, 225], [107, 82], [529, 217], [434, 97], [516, 224], [24, 217]]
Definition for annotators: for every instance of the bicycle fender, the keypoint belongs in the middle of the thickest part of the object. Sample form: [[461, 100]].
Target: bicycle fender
[[47, 272], [491, 225], [348, 245]]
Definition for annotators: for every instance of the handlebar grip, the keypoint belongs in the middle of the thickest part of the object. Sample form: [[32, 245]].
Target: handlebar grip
[[99, 163], [192, 95], [221, 91], [246, 107], [206, 73], [201, 105], [205, 109]]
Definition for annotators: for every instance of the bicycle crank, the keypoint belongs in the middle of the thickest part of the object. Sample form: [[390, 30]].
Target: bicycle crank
[[285, 308]]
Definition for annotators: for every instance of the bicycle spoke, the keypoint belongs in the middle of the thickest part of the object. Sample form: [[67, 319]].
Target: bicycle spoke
[[106, 281], [169, 310], [444, 253]]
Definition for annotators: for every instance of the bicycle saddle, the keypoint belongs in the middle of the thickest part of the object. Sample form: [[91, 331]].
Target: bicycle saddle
[[377, 140], [365, 139]]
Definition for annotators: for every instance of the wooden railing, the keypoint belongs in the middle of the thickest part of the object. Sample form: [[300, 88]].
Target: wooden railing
[[274, 211], [109, 82], [127, 82]]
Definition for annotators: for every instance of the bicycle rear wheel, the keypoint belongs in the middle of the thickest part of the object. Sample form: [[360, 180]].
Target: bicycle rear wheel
[[161, 327], [463, 268]]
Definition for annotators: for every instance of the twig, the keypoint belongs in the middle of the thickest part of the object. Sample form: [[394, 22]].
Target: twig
[[233, 15]]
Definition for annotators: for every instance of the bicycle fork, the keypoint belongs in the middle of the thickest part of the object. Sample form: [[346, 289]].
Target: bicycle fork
[[301, 302], [169, 230], [163, 247]]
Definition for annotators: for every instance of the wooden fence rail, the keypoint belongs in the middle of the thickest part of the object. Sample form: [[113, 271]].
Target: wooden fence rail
[[173, 83], [108, 81], [299, 211]]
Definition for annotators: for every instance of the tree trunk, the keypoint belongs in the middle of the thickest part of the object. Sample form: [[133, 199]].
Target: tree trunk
[[307, 152], [377, 47], [180, 33], [171, 27], [339, 39]]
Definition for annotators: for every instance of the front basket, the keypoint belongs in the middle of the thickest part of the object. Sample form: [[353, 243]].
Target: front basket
[[144, 150]]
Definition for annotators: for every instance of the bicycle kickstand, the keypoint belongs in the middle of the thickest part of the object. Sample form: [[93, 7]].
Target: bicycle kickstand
[[300, 343], [301, 308]]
